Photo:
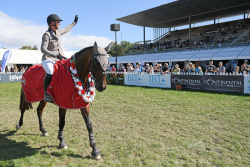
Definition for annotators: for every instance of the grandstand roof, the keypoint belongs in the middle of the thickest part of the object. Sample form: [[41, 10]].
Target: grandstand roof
[[177, 13], [240, 52]]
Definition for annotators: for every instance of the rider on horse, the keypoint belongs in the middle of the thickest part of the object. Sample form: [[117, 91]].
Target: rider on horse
[[51, 48]]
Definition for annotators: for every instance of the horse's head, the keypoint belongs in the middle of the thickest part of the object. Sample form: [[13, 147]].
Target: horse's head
[[98, 67]]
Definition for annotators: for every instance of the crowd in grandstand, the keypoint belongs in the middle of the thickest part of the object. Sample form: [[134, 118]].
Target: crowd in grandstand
[[188, 68], [208, 36]]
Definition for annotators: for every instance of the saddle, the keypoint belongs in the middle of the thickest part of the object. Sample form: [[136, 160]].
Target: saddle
[[62, 88]]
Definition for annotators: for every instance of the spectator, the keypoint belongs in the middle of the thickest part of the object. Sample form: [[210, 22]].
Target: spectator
[[121, 68], [176, 68], [244, 66], [113, 68], [151, 70], [137, 70], [146, 69], [22, 69], [221, 69], [140, 67], [190, 68], [159, 68], [156, 68], [211, 68], [200, 70], [130, 68], [165, 69], [237, 70]]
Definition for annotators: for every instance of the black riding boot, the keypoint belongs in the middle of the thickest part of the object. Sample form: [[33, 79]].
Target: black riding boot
[[46, 83]]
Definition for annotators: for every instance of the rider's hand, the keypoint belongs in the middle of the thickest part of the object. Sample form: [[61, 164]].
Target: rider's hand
[[60, 57], [76, 18]]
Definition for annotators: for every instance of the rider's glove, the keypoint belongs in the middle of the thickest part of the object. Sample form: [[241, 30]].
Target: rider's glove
[[76, 19], [60, 57]]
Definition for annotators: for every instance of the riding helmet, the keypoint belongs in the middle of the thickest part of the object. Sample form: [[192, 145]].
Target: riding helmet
[[53, 17]]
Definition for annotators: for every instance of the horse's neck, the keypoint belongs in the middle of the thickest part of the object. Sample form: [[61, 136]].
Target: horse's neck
[[83, 63]]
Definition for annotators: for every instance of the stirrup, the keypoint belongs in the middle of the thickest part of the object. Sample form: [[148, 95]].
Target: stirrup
[[47, 98]]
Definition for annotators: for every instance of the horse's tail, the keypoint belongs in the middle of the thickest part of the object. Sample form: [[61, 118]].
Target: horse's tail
[[22, 98]]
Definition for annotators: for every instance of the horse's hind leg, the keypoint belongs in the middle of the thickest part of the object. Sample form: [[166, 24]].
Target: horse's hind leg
[[23, 107], [95, 152], [40, 108], [62, 113]]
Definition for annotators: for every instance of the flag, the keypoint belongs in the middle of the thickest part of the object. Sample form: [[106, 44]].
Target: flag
[[5, 59]]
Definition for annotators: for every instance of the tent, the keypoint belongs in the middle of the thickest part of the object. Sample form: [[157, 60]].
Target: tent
[[28, 56]]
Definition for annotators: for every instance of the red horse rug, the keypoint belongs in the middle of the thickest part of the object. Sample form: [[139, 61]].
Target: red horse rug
[[62, 87]]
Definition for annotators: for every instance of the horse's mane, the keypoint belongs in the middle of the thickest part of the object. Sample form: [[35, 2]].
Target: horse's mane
[[77, 53]]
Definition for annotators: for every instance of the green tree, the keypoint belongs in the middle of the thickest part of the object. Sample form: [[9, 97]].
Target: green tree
[[122, 48], [112, 50], [28, 48]]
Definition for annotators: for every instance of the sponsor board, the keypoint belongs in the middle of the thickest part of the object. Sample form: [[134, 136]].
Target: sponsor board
[[187, 81], [158, 81], [133, 79], [115, 78], [223, 83], [16, 77], [154, 80], [247, 84]]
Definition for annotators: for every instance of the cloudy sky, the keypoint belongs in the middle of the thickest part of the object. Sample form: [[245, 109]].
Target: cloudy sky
[[24, 22]]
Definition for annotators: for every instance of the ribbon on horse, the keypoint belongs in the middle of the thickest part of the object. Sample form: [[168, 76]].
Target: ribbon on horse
[[61, 88]]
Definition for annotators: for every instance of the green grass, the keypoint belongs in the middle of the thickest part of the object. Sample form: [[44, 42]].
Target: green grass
[[133, 126]]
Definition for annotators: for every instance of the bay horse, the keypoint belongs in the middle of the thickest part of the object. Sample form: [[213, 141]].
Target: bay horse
[[86, 60]]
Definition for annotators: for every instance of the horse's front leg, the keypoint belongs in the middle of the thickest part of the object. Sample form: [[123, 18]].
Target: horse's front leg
[[40, 108], [62, 113], [95, 152]]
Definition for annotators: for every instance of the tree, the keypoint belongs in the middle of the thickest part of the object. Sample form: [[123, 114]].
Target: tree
[[28, 48], [122, 48], [112, 50]]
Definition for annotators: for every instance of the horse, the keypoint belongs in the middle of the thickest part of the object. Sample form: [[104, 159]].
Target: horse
[[87, 60]]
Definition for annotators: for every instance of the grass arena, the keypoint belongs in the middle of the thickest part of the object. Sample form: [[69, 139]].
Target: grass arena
[[133, 126]]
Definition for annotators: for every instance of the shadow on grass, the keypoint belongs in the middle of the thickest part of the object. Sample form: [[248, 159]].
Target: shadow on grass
[[10, 149], [55, 154], [188, 90]]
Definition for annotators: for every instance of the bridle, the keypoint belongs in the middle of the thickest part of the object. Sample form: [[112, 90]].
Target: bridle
[[95, 59]]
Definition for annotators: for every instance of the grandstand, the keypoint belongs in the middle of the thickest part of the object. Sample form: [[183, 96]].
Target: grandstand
[[218, 41]]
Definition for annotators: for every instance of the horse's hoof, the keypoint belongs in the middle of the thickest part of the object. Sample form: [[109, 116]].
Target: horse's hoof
[[18, 127], [63, 145], [96, 154], [45, 134]]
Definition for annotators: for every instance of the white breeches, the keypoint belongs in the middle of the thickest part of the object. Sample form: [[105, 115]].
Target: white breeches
[[48, 66]]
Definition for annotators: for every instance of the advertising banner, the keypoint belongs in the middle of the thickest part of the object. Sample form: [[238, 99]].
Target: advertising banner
[[223, 83], [11, 77], [158, 80], [154, 80], [133, 79], [187, 81], [115, 78], [5, 59], [247, 84]]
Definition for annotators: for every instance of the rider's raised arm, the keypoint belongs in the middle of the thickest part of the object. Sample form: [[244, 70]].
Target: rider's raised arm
[[66, 29]]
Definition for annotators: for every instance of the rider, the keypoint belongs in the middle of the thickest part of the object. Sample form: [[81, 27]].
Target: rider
[[51, 48]]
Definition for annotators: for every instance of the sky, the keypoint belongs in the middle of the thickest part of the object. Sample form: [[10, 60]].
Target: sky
[[24, 22]]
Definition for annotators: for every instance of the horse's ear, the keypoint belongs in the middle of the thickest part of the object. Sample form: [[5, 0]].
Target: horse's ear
[[95, 48], [109, 46]]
